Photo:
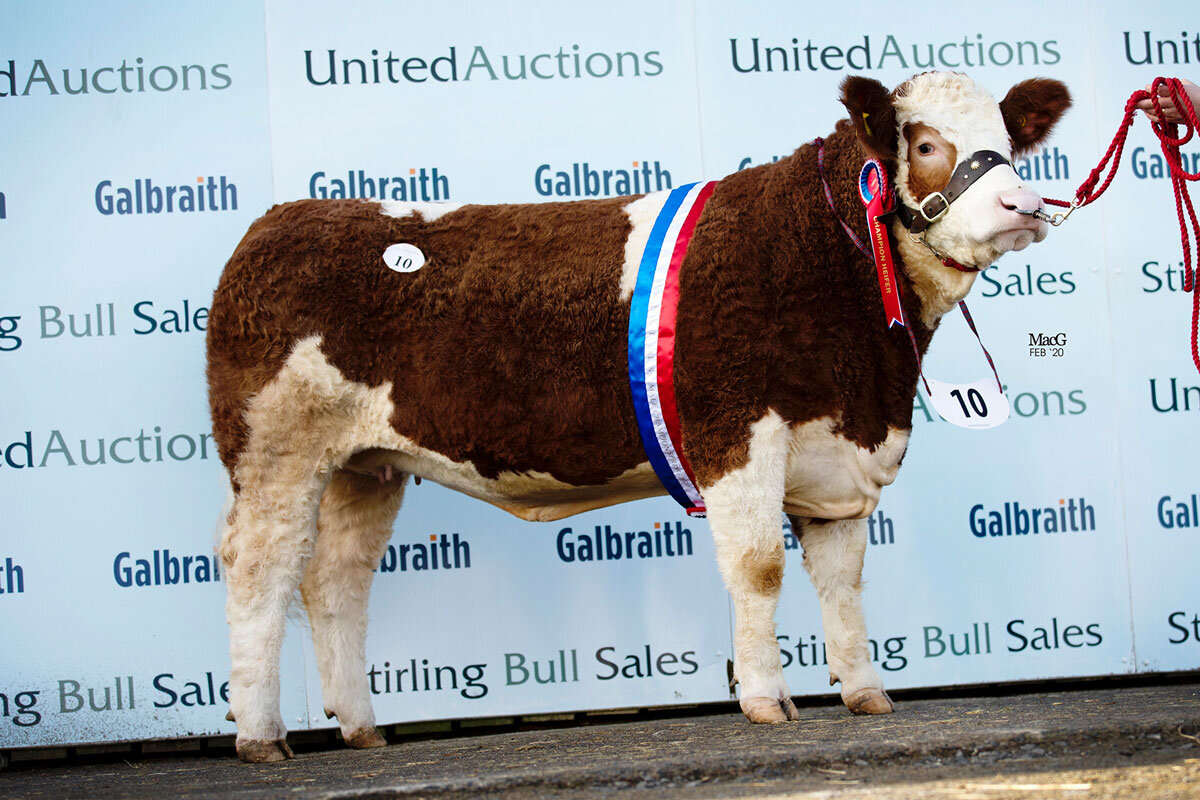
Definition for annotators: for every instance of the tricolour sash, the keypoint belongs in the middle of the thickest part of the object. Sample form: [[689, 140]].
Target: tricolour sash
[[652, 342]]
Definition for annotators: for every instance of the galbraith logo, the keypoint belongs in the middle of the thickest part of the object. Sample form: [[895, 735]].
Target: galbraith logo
[[1140, 49], [1166, 398], [1178, 515], [585, 181], [881, 530], [145, 197], [38, 78], [1048, 165], [1044, 166], [328, 69], [605, 544], [857, 55], [144, 448], [420, 184], [442, 552], [1068, 517], [1153, 167], [13, 581], [748, 161], [164, 569]]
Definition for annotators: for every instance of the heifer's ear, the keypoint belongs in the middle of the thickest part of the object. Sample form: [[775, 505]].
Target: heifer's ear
[[872, 115], [1030, 110]]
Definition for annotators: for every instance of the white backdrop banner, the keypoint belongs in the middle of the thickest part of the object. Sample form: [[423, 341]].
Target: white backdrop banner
[[140, 141]]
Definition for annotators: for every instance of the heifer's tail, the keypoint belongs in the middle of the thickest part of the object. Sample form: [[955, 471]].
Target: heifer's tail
[[224, 521]]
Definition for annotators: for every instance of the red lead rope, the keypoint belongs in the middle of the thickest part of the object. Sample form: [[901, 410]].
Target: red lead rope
[[1166, 132]]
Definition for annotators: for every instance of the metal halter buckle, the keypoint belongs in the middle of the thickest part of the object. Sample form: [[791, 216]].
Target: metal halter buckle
[[938, 215]]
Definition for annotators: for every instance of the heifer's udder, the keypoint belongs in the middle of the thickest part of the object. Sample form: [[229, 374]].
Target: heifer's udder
[[830, 477]]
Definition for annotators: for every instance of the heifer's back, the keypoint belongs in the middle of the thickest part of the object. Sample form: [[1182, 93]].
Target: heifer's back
[[504, 352]]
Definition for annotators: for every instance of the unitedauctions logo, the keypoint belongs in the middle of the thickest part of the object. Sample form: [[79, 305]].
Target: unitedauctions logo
[[330, 68], [868, 54], [56, 449], [18, 79]]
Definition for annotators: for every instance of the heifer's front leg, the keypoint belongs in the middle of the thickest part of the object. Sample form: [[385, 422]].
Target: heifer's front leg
[[353, 529], [833, 556], [744, 513]]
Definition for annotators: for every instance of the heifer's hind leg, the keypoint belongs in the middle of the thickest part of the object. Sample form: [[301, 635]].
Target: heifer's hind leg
[[266, 543], [744, 513], [300, 429], [833, 556], [353, 529]]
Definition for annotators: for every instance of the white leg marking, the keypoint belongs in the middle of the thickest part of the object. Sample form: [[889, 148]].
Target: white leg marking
[[833, 556], [353, 528], [744, 512]]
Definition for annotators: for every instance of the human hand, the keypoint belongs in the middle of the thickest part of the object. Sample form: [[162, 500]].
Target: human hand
[[1170, 112]]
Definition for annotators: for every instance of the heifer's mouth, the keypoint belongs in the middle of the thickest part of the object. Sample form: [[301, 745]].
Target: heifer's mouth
[[1020, 236], [1015, 231]]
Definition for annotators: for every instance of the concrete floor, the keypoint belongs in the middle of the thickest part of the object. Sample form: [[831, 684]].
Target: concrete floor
[[1112, 739]]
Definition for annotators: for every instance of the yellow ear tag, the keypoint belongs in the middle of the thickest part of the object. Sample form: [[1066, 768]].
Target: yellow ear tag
[[865, 125]]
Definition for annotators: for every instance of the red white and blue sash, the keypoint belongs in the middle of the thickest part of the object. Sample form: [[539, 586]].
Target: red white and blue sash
[[652, 342]]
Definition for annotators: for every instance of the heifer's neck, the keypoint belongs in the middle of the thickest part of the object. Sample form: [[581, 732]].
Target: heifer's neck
[[926, 285], [939, 287]]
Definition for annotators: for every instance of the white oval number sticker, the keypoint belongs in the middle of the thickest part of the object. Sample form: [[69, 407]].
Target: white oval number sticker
[[975, 405], [404, 258]]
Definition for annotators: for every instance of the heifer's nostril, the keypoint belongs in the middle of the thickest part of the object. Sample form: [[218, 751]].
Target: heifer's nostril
[[1020, 201]]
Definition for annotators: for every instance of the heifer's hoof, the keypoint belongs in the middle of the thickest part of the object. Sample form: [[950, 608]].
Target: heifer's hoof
[[766, 710], [260, 751], [365, 739], [870, 701], [229, 715]]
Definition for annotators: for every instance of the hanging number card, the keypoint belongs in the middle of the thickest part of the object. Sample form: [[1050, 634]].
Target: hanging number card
[[975, 405]]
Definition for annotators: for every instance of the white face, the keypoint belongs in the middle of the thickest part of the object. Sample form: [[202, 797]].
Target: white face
[[943, 118]]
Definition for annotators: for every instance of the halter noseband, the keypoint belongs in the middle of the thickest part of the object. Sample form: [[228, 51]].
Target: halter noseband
[[935, 205]]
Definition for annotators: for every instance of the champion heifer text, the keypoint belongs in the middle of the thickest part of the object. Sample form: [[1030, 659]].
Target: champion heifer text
[[501, 368]]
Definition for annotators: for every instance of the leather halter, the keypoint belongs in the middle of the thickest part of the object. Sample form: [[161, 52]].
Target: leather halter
[[936, 204]]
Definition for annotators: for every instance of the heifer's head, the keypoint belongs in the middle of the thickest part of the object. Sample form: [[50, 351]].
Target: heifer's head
[[937, 132]]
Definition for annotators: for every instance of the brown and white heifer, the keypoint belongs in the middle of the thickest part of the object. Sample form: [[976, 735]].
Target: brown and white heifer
[[499, 369]]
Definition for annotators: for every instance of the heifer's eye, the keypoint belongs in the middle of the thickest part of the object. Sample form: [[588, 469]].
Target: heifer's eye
[[925, 148]]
